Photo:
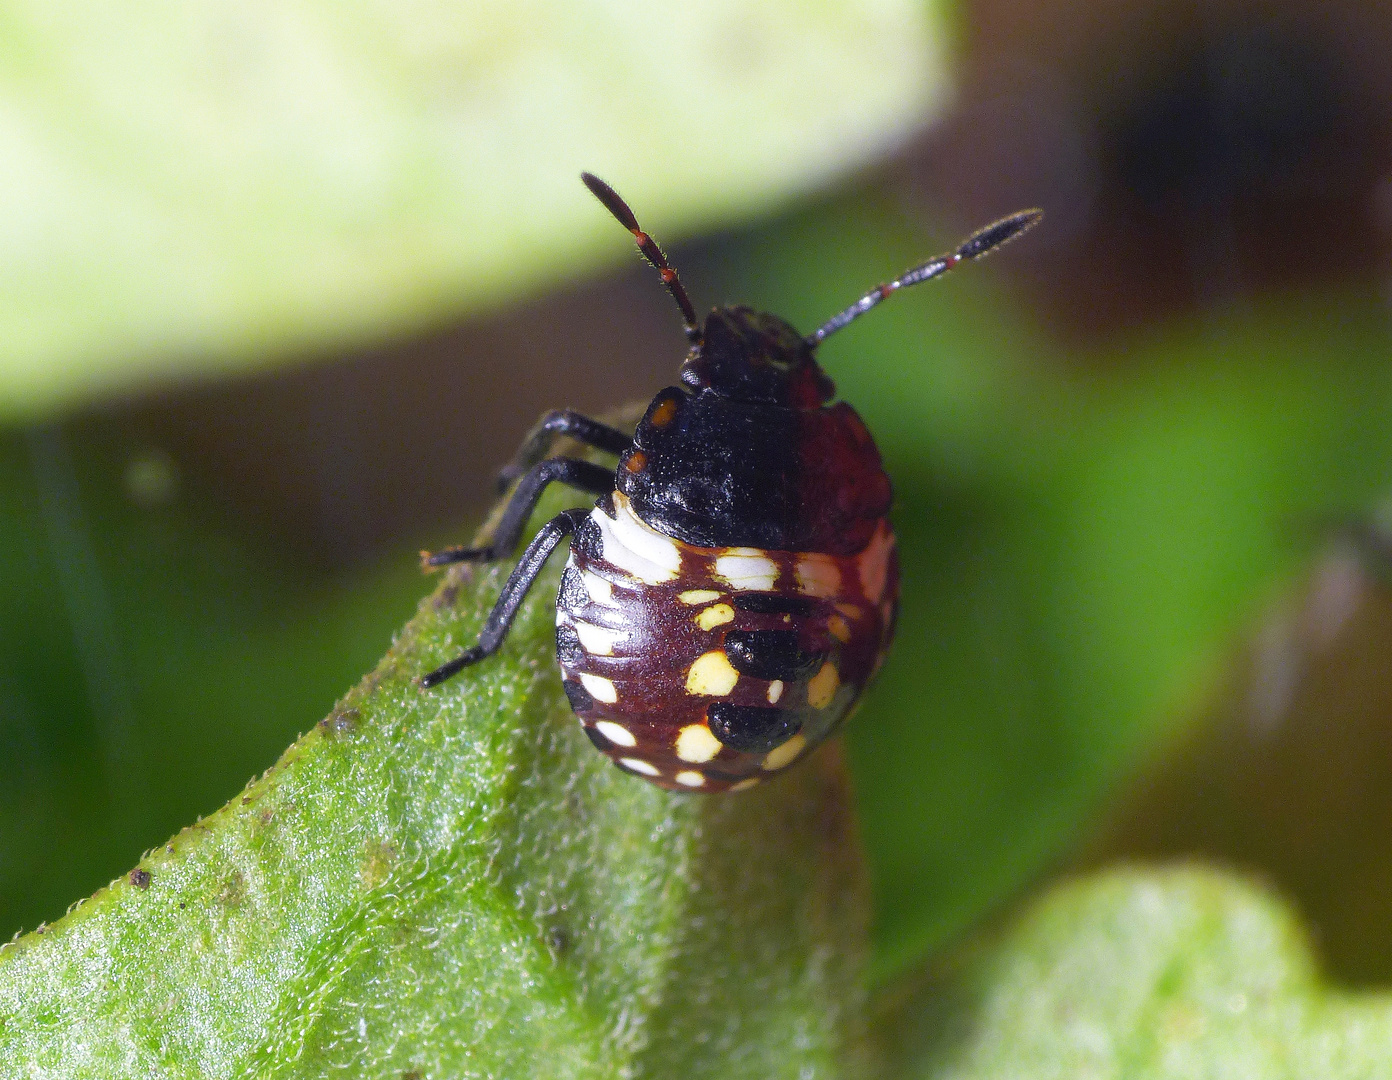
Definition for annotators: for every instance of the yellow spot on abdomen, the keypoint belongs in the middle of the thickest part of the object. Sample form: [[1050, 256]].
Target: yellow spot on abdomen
[[689, 778], [715, 615], [818, 575], [698, 596], [712, 675], [775, 691], [840, 629], [823, 686], [696, 744], [783, 755], [745, 785]]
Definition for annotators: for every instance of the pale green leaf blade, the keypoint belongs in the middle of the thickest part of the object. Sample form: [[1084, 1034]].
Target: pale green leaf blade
[[1165, 974], [195, 188]]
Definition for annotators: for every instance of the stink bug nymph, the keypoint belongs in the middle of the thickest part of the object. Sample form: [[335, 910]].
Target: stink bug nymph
[[735, 586]]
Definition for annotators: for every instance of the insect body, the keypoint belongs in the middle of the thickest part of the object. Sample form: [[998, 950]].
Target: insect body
[[735, 586]]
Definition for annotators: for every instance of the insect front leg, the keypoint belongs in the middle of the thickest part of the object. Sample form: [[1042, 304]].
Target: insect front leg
[[584, 475], [519, 582], [561, 422]]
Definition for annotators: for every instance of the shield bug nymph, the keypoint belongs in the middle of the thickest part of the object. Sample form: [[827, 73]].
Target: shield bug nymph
[[735, 586]]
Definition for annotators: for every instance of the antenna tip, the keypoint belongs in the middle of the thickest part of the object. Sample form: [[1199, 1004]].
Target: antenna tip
[[611, 200], [998, 233]]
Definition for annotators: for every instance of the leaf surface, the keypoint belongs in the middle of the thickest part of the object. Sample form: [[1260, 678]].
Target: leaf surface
[[1164, 974], [453, 883]]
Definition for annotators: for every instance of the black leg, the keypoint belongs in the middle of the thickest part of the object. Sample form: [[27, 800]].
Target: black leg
[[561, 422], [523, 575], [584, 475]]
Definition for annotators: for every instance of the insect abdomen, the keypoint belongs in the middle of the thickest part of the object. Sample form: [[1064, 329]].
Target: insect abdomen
[[710, 668]]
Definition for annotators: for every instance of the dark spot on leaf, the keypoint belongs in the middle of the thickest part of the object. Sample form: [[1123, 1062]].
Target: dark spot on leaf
[[341, 723], [378, 859], [446, 596], [234, 891], [413, 1074], [140, 878], [558, 942]]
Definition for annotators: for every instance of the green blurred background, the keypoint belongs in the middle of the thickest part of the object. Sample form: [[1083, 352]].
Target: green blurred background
[[283, 285]]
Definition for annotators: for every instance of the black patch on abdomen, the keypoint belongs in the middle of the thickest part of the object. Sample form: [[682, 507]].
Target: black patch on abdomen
[[578, 696], [751, 729], [774, 604], [768, 654], [587, 540], [573, 595], [568, 650]]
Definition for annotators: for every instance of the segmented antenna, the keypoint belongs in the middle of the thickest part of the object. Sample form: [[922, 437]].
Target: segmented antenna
[[648, 246], [976, 245]]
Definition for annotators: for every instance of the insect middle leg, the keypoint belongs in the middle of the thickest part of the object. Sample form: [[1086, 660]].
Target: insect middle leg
[[584, 475], [561, 422], [519, 582]]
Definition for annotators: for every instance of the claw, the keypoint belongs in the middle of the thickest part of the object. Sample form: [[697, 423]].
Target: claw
[[447, 557]]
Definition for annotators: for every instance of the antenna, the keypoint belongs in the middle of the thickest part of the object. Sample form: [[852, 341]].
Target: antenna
[[973, 247], [648, 246]]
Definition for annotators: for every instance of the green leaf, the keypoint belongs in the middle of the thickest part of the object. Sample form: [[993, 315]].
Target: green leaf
[[1142, 974], [1082, 536], [195, 188], [453, 883]]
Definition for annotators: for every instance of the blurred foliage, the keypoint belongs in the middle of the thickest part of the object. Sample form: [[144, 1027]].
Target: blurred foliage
[[453, 883], [1180, 973], [205, 187], [1085, 531], [1082, 539]]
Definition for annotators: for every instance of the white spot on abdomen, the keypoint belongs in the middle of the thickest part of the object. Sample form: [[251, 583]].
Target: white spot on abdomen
[[615, 733], [638, 765], [600, 688], [635, 547], [598, 640], [747, 568], [600, 589]]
